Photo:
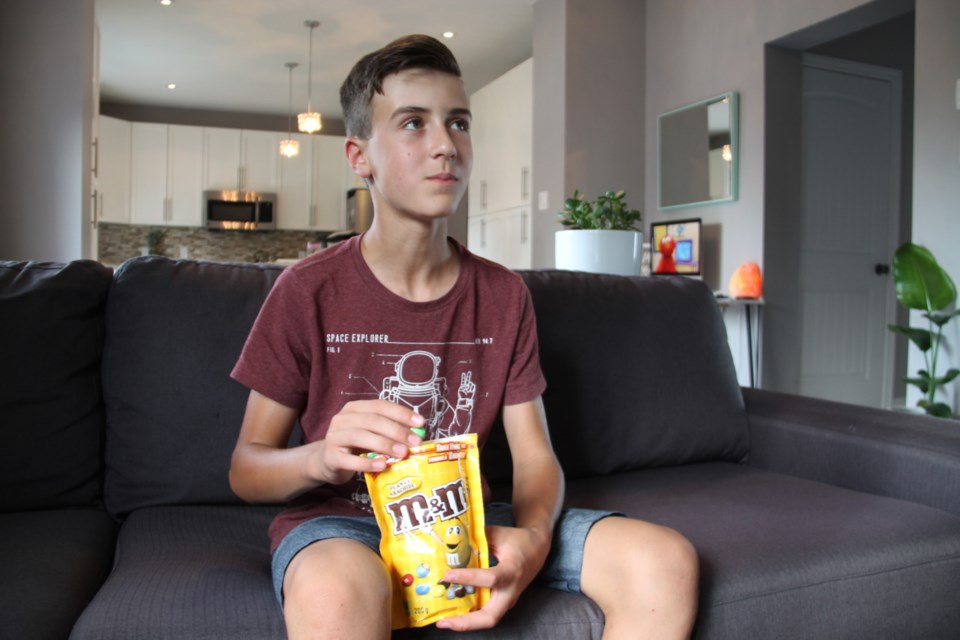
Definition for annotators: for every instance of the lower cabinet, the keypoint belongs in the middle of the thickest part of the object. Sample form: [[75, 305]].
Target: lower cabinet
[[502, 236]]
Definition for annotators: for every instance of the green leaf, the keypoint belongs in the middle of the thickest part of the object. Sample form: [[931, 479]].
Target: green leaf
[[923, 338], [949, 376], [939, 409], [919, 383], [920, 282], [940, 318]]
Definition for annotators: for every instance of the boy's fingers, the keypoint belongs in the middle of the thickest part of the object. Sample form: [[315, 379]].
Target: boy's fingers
[[483, 578]]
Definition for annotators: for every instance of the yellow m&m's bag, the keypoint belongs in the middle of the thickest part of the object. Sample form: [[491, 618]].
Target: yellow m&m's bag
[[429, 506]]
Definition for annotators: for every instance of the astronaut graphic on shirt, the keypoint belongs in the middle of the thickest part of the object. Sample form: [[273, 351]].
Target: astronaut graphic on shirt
[[417, 383]]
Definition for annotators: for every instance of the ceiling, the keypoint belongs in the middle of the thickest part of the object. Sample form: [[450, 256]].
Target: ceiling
[[229, 55]]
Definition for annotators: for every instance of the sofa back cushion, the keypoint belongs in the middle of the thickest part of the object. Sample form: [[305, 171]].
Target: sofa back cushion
[[174, 332], [51, 411], [639, 373]]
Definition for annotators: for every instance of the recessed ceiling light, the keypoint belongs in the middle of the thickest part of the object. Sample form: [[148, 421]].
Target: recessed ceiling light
[[448, 34], [166, 3], [172, 85]]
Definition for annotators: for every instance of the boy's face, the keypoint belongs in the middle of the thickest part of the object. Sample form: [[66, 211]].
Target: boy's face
[[418, 157]]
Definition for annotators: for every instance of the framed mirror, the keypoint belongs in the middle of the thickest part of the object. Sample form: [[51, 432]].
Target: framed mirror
[[697, 153]]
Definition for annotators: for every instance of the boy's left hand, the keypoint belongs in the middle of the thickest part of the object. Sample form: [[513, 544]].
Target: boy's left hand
[[520, 555]]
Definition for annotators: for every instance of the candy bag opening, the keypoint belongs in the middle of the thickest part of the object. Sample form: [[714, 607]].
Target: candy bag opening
[[429, 507]]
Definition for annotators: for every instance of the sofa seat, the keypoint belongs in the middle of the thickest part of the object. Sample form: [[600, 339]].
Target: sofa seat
[[53, 563], [203, 571], [796, 553], [188, 571]]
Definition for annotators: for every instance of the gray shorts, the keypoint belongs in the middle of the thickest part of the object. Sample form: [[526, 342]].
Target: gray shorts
[[561, 570]]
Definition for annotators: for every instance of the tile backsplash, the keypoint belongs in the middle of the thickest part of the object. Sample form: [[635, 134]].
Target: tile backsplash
[[118, 242]]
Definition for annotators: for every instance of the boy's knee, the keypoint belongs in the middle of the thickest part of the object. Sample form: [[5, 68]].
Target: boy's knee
[[352, 576], [679, 557]]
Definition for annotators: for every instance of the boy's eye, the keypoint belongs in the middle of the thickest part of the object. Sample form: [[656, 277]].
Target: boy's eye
[[413, 123], [460, 125]]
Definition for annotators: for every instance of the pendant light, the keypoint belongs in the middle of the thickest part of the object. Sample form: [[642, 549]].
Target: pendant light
[[309, 121], [290, 147]]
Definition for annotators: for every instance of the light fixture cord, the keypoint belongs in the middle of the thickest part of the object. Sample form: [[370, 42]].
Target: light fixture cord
[[310, 71], [290, 104]]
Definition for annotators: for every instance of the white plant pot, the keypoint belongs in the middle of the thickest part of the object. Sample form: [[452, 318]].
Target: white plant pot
[[599, 251]]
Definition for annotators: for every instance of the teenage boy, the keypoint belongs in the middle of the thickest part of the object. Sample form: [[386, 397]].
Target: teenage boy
[[402, 327]]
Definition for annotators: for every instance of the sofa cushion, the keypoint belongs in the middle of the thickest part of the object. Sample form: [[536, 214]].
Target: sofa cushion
[[204, 572], [639, 373], [51, 411], [174, 332], [788, 558], [53, 563]]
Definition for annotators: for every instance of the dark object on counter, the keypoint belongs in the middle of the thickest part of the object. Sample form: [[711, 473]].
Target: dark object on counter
[[338, 236], [359, 209]]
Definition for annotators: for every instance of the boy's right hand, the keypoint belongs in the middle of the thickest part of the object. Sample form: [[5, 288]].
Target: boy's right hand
[[362, 426]]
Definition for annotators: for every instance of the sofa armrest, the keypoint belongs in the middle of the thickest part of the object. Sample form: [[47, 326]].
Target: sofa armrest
[[906, 456]]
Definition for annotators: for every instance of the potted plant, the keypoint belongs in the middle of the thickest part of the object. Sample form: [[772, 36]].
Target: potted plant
[[922, 284], [600, 235]]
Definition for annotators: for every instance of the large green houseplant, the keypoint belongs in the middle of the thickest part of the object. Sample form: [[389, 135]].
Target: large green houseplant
[[609, 212], [600, 235], [922, 284]]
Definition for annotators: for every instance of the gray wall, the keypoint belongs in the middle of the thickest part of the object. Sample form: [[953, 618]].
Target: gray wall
[[588, 80], [936, 158], [46, 71]]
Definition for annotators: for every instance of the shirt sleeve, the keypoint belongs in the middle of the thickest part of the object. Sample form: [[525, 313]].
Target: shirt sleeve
[[525, 380], [276, 357]]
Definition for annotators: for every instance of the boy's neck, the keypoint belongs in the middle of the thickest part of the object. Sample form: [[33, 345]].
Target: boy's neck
[[414, 261]]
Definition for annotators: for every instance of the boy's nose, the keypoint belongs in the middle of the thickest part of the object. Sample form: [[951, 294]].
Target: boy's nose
[[442, 143]]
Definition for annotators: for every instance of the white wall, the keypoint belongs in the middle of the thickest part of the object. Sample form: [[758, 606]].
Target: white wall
[[46, 71], [936, 185]]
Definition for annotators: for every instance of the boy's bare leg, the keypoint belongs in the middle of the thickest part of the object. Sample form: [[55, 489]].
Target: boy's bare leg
[[336, 588], [643, 577]]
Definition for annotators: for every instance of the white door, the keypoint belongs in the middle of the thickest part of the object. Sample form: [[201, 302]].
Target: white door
[[184, 185], [148, 173], [222, 149], [261, 154], [850, 207]]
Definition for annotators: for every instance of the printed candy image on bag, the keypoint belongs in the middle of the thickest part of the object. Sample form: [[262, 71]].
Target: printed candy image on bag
[[429, 506]]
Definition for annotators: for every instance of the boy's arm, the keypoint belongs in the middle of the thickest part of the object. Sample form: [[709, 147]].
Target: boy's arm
[[537, 498], [263, 469], [537, 477]]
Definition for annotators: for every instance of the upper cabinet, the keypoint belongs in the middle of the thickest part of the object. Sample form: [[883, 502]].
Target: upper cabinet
[[156, 174], [242, 160], [502, 135], [165, 174], [314, 184], [113, 169], [501, 182]]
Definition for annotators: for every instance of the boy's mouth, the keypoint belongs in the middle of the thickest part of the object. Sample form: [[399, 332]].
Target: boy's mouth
[[444, 178]]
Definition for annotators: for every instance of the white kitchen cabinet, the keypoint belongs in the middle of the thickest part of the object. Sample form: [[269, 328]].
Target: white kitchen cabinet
[[314, 184], [244, 160], [502, 236], [502, 138], [166, 165], [113, 170]]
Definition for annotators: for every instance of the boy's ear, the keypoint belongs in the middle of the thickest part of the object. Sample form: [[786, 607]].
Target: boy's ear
[[357, 157]]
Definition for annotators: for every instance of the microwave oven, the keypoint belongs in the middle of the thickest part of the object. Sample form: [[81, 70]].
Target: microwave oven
[[239, 210]]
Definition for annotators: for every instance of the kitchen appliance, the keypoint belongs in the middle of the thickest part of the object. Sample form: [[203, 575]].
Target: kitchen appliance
[[359, 209], [239, 210]]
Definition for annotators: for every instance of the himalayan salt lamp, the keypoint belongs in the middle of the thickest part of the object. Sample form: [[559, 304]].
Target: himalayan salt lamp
[[746, 282]]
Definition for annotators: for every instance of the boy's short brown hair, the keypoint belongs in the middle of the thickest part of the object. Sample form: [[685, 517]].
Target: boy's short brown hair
[[366, 77]]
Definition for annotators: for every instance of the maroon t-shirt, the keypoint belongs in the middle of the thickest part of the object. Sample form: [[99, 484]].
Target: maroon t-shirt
[[329, 333]]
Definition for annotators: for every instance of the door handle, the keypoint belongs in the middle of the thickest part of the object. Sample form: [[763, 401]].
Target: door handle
[[881, 269]]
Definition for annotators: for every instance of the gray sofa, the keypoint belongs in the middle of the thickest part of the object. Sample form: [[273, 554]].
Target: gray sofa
[[117, 416]]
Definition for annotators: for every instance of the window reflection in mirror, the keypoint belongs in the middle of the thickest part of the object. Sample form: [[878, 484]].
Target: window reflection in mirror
[[698, 153]]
